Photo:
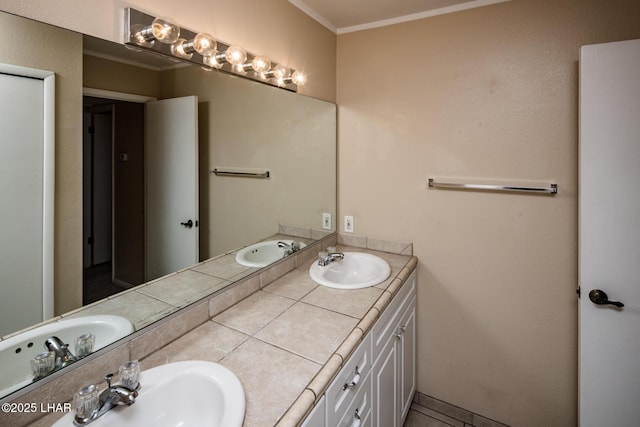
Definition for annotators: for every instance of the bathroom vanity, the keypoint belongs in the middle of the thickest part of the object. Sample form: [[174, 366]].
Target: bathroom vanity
[[376, 383], [306, 354]]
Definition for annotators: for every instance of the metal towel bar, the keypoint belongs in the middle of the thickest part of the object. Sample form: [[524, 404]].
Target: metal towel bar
[[552, 189], [262, 175]]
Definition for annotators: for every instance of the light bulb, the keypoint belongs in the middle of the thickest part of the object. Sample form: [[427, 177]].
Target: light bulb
[[235, 55], [239, 68], [165, 31], [260, 64], [298, 78], [179, 49], [204, 43], [212, 59], [280, 72]]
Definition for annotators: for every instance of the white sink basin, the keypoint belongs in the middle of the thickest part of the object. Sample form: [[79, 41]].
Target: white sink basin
[[357, 270], [181, 394], [263, 253], [16, 352]]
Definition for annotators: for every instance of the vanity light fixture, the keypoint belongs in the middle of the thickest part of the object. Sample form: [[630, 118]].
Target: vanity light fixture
[[143, 30]]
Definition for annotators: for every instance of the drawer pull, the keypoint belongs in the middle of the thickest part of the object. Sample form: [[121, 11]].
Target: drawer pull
[[354, 382], [356, 419], [401, 330]]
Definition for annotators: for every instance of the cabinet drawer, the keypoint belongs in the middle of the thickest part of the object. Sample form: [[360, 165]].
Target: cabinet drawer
[[386, 325], [348, 382], [358, 413]]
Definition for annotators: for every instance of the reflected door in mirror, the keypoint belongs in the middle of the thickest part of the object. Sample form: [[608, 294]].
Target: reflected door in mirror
[[21, 190]]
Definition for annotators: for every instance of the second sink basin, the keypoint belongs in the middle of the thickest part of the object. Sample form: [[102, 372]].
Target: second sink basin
[[357, 270], [16, 352], [264, 253]]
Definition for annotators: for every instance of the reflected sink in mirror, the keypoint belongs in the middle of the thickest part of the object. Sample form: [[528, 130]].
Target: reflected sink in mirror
[[190, 393], [17, 352], [262, 254], [356, 270]]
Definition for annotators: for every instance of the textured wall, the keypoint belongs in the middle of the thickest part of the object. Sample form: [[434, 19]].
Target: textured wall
[[486, 93]]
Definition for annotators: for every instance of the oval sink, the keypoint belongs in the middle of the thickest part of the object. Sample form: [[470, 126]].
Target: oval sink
[[357, 270], [180, 394], [16, 352], [264, 253]]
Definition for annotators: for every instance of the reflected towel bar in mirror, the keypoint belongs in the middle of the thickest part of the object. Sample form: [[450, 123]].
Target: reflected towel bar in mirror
[[552, 189], [262, 175]]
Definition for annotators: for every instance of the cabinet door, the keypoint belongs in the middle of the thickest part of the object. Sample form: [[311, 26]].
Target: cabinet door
[[317, 416], [385, 390], [407, 365]]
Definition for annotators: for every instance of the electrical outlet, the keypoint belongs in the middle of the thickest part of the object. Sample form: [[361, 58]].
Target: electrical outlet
[[326, 221], [348, 224]]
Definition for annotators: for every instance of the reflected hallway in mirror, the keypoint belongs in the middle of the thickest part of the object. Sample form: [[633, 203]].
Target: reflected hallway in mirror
[[113, 197]]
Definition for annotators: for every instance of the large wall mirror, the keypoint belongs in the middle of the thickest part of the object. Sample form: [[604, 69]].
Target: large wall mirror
[[236, 125]]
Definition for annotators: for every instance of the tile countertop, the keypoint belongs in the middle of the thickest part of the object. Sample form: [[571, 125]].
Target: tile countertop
[[288, 340]]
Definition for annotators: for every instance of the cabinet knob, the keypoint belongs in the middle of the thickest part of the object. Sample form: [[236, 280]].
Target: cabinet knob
[[400, 332]]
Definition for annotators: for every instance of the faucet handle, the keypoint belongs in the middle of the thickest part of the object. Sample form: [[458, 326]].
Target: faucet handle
[[86, 402], [130, 374]]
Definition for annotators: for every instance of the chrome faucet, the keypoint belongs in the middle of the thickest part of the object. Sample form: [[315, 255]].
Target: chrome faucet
[[89, 409], [330, 255], [63, 355], [289, 248]]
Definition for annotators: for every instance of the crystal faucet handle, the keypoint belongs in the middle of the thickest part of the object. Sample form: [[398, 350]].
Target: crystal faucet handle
[[84, 344], [86, 402], [130, 374], [43, 363]]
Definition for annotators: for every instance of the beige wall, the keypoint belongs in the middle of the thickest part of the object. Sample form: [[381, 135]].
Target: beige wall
[[249, 126], [486, 93], [42, 51], [100, 73]]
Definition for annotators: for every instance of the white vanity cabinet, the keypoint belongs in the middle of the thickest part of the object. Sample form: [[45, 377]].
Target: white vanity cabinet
[[394, 342], [375, 386]]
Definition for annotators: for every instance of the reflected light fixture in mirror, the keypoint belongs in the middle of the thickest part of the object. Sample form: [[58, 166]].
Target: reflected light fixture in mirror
[[144, 30], [202, 43]]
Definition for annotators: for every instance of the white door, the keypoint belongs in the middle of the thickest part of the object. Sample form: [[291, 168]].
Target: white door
[[171, 181], [26, 282], [610, 234]]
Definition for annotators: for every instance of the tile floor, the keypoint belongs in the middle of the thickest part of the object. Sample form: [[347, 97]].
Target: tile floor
[[97, 283], [427, 411], [420, 416]]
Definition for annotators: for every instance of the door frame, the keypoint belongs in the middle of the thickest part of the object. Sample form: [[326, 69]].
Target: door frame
[[48, 175]]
